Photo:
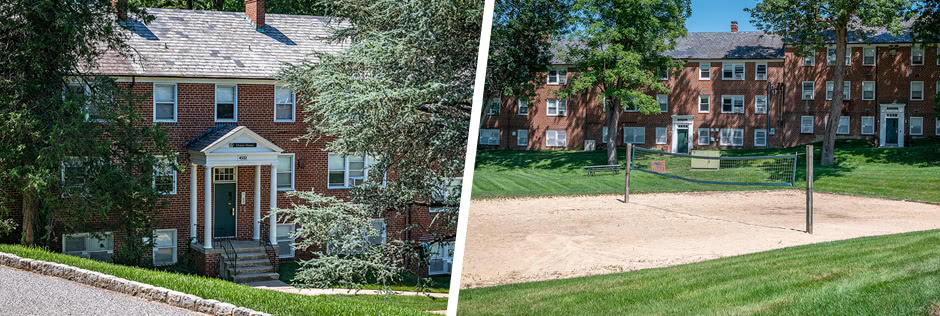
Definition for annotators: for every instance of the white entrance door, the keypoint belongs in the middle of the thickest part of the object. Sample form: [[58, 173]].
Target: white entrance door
[[682, 133], [891, 125]]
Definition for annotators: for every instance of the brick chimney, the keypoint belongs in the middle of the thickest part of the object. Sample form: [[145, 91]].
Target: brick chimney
[[734, 26], [254, 9], [120, 8]]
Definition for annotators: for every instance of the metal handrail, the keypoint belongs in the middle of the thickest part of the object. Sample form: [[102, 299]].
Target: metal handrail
[[231, 253], [267, 245]]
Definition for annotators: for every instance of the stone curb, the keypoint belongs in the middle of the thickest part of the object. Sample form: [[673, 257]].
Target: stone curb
[[128, 287]]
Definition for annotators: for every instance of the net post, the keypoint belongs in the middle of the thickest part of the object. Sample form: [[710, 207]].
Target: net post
[[629, 162], [809, 189]]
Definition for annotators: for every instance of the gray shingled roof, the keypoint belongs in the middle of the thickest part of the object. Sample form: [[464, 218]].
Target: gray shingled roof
[[210, 136], [213, 44], [728, 45]]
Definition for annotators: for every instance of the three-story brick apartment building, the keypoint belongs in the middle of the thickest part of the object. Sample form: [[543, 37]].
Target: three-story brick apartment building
[[209, 78], [739, 90]]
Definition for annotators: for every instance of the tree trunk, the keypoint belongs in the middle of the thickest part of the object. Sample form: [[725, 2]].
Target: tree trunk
[[613, 116], [30, 212], [189, 4], [832, 124]]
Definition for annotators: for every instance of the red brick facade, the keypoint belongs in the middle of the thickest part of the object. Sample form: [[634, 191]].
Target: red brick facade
[[892, 74]]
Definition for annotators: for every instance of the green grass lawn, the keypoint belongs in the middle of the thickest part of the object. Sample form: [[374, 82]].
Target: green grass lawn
[[903, 173], [272, 302], [882, 275], [440, 285]]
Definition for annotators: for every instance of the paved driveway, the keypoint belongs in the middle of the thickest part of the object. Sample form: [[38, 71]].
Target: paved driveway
[[26, 293]]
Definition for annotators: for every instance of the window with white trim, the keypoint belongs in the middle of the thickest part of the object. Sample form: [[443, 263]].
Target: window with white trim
[[704, 71], [285, 242], [760, 72], [379, 238], [346, 171], [868, 56], [604, 135], [489, 137], [522, 137], [760, 104], [634, 135], [98, 246], [917, 55], [556, 138], [523, 107], [492, 107], [285, 172], [846, 90], [732, 71], [661, 135], [760, 137], [868, 90], [556, 107], [663, 101], [831, 56], [164, 102], [164, 176], [937, 127], [226, 103], [917, 90], [806, 124], [81, 89], [74, 174], [285, 104], [441, 196], [704, 105], [558, 76], [809, 92], [844, 125], [441, 258], [732, 104], [704, 136], [868, 125], [917, 126], [809, 60], [732, 137], [164, 247], [664, 74]]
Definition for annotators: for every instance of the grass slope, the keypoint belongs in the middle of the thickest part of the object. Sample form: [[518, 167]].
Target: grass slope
[[902, 173], [409, 281], [883, 275], [275, 303]]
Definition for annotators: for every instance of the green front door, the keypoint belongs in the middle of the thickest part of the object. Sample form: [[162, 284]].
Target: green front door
[[683, 145], [224, 222], [891, 131]]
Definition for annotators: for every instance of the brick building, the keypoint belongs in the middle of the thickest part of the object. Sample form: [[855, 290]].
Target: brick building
[[209, 78], [738, 90]]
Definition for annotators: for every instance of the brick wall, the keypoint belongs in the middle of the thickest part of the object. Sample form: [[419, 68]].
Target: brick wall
[[585, 120]]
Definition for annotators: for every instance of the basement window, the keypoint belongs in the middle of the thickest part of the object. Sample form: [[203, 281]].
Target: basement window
[[285, 243], [441, 258], [97, 246], [164, 247]]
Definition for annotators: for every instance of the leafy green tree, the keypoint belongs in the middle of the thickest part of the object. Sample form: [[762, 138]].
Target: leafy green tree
[[297, 7], [401, 92], [926, 30], [812, 25], [520, 45], [620, 46], [72, 146]]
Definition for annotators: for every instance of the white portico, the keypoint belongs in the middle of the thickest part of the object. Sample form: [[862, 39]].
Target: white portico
[[221, 151]]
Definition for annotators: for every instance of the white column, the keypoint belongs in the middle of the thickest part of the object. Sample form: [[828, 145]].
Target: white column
[[207, 242], [257, 222], [273, 217], [193, 200]]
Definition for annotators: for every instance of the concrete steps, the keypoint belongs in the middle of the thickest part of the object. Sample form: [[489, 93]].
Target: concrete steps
[[253, 265]]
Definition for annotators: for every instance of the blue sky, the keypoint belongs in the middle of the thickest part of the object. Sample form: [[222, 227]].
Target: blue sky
[[716, 16]]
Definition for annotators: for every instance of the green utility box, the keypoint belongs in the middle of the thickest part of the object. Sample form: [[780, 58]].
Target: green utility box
[[705, 164]]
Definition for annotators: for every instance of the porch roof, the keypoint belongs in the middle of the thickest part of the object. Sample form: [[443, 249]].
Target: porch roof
[[232, 145]]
